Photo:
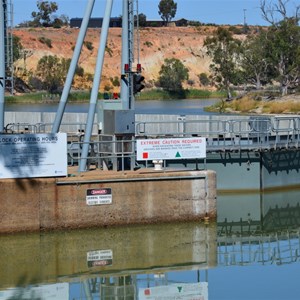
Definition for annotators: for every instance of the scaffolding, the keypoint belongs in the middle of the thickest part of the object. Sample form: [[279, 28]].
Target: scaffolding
[[8, 44]]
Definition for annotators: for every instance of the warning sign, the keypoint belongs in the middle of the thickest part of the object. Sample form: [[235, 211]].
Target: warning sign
[[183, 291], [178, 148], [99, 258], [98, 196]]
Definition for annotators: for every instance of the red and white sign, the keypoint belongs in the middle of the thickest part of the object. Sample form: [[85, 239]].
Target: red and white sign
[[177, 148], [98, 196], [182, 291]]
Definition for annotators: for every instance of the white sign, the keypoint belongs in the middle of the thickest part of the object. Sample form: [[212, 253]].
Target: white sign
[[179, 291], [33, 155], [178, 148], [99, 258], [98, 196]]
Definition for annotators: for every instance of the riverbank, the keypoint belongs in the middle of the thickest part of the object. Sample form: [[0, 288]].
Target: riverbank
[[84, 96], [254, 104]]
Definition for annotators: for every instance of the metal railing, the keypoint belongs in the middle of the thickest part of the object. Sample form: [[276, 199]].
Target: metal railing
[[239, 134], [277, 248], [105, 152], [253, 133]]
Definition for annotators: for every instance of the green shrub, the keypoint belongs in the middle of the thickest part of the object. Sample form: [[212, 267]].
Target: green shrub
[[88, 45], [45, 41]]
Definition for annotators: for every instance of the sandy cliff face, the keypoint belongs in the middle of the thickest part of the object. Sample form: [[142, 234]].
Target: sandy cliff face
[[156, 44]]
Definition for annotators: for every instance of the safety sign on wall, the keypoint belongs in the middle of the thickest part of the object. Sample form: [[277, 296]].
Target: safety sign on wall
[[99, 258], [177, 148], [98, 196]]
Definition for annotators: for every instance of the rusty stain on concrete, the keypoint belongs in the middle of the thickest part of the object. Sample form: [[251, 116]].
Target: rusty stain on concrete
[[138, 197]]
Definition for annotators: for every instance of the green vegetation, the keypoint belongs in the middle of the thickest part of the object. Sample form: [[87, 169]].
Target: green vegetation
[[252, 103], [109, 51], [269, 56], [52, 71], [148, 44], [17, 48], [46, 41], [84, 96], [115, 81], [158, 94], [224, 51], [167, 10], [88, 45], [172, 74]]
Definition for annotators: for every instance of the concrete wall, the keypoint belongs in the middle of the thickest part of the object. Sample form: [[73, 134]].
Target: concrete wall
[[137, 198]]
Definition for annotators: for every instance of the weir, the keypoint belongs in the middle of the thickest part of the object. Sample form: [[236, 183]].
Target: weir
[[258, 152]]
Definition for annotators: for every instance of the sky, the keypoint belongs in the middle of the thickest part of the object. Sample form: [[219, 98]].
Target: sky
[[231, 12]]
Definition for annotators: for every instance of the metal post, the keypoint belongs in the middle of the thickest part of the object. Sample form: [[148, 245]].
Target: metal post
[[95, 88], [131, 52], [2, 65], [125, 55], [72, 68]]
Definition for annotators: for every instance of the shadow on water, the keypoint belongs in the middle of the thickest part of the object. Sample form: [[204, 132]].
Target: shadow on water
[[277, 161], [23, 291]]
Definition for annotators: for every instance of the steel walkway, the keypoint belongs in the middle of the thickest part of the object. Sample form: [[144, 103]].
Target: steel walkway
[[222, 135]]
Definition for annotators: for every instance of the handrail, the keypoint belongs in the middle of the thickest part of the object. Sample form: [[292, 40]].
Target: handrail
[[236, 134]]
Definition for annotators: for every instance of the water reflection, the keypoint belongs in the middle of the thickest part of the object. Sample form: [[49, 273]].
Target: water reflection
[[252, 252], [105, 261]]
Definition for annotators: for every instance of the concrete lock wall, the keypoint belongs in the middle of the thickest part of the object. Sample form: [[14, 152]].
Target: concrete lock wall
[[137, 198]]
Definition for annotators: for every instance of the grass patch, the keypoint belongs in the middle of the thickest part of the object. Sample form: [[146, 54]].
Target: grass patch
[[243, 105], [84, 96], [43, 97], [281, 107], [25, 98], [184, 94]]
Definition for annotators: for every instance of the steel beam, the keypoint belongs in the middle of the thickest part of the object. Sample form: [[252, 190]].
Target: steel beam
[[96, 85], [2, 64], [72, 68]]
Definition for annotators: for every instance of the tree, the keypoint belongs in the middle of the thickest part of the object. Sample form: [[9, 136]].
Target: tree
[[225, 53], [52, 72], [167, 10], [142, 20], [282, 44], [283, 53], [172, 74], [204, 80], [271, 11], [254, 61], [17, 48], [43, 16]]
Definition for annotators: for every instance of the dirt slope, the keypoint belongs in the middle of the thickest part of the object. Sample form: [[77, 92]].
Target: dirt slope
[[156, 44]]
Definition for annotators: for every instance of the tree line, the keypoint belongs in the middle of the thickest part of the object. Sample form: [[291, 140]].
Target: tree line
[[270, 56]]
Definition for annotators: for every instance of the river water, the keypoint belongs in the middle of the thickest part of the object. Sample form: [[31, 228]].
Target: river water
[[247, 254], [251, 252]]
